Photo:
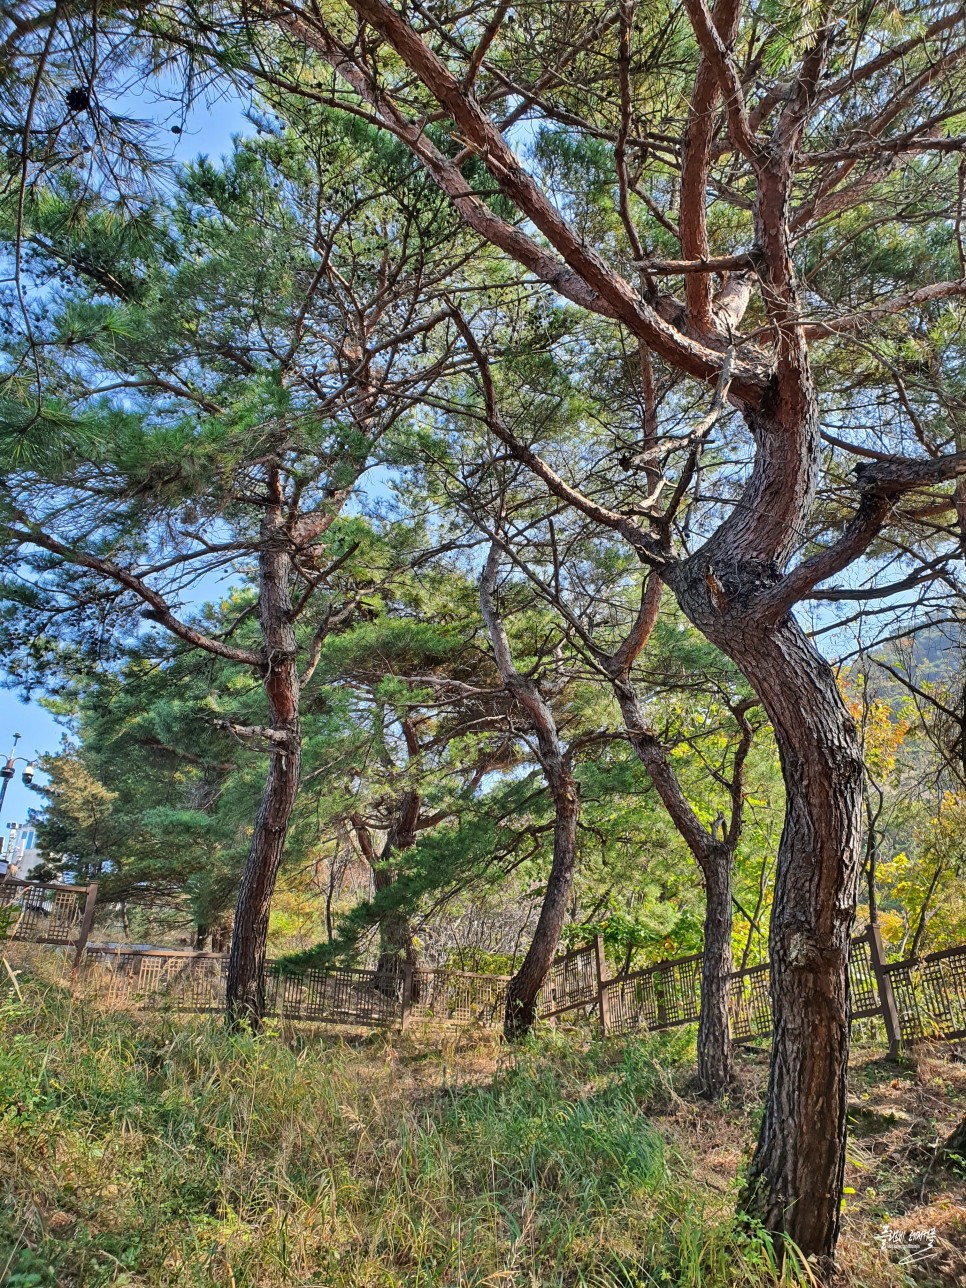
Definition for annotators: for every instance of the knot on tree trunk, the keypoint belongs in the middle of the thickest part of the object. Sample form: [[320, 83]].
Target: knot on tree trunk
[[806, 950], [848, 767], [741, 580], [712, 586], [275, 658]]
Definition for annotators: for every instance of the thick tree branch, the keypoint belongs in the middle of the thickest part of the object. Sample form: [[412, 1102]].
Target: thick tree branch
[[882, 483], [480, 132], [251, 733], [444, 172], [694, 172], [486, 40], [160, 610], [715, 45], [705, 264], [889, 308], [655, 760]]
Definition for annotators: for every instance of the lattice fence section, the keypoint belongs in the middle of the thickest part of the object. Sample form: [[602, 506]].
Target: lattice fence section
[[572, 981], [931, 995], [906, 990], [667, 995], [659, 997], [750, 1003], [628, 1002], [345, 996], [38, 913], [178, 981], [196, 983], [459, 997], [864, 990]]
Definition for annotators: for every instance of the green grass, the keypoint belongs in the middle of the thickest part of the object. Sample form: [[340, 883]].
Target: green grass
[[163, 1151]]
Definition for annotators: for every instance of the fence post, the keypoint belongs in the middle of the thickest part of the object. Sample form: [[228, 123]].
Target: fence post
[[887, 998], [600, 963], [407, 997], [660, 996], [87, 921]]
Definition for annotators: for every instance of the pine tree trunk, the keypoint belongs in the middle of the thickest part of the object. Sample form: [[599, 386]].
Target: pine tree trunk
[[715, 1069], [795, 1181], [245, 990], [714, 859], [396, 952], [523, 990], [397, 949]]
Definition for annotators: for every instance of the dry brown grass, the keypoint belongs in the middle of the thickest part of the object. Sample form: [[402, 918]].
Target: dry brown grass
[[158, 1152]]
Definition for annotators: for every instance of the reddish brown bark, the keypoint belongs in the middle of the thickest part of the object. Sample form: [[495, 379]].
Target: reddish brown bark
[[795, 1180], [245, 990], [556, 761], [702, 125]]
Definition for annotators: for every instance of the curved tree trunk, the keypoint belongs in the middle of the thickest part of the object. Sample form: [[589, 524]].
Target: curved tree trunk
[[795, 1182], [523, 990], [714, 859], [794, 1185], [557, 764], [245, 990]]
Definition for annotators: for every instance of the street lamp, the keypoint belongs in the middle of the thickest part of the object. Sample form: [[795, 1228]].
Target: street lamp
[[8, 771]]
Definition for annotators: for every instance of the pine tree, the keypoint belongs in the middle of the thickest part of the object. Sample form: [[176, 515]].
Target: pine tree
[[215, 404]]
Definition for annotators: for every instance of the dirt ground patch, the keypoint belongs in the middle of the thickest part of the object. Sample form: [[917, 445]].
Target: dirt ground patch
[[904, 1210]]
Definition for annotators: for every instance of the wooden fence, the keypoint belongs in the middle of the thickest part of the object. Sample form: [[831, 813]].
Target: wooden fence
[[185, 981], [47, 913], [916, 999]]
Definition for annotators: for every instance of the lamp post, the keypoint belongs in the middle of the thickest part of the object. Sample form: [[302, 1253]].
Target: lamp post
[[8, 771]]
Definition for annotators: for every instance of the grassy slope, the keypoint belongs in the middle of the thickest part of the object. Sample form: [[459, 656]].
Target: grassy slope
[[159, 1151]]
